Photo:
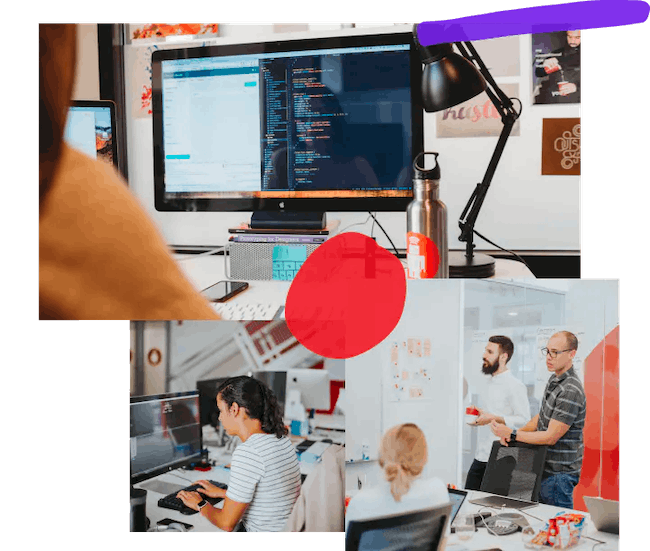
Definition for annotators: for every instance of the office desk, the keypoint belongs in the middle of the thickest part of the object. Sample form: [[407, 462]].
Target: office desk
[[184, 478], [204, 271], [482, 539], [155, 513]]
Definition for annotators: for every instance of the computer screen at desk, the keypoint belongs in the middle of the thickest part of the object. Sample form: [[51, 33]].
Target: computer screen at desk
[[90, 128], [316, 124], [165, 433]]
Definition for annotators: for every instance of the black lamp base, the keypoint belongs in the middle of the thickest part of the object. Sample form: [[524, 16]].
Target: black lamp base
[[479, 266]]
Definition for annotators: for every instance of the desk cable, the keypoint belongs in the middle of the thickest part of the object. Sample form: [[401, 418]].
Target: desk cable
[[504, 250], [206, 253]]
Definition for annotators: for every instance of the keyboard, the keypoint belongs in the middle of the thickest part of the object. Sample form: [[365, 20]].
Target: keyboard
[[249, 311], [172, 502]]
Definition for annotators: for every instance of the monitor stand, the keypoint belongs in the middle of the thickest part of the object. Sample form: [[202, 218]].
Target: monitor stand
[[269, 220]]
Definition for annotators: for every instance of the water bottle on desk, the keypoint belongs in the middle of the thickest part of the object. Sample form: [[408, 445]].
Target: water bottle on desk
[[426, 225]]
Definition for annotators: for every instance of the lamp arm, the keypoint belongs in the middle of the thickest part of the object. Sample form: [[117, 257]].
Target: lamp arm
[[508, 117]]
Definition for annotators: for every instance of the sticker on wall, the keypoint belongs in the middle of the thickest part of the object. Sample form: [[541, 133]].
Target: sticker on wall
[[556, 71], [412, 378], [561, 147], [476, 117], [426, 348]]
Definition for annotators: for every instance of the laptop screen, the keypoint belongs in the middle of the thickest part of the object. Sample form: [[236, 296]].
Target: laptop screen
[[457, 497]]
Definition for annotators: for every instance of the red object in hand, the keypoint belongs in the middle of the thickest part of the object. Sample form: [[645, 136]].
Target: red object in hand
[[550, 70], [472, 411]]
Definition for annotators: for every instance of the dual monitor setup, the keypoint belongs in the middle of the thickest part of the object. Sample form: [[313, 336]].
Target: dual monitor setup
[[166, 429]]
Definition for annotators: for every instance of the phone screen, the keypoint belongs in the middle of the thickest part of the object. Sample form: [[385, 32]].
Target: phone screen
[[224, 289]]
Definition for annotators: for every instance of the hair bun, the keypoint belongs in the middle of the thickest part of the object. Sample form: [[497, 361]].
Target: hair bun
[[392, 471]]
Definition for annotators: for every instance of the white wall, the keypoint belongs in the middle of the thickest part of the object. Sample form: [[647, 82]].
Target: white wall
[[431, 311], [519, 197], [86, 83]]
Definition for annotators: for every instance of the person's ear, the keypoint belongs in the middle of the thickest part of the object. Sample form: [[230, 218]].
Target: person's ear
[[572, 354], [234, 409]]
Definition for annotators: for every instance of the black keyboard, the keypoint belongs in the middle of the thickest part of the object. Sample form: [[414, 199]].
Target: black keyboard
[[172, 502]]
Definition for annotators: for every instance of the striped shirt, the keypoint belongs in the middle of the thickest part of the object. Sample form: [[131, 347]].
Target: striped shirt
[[565, 401], [264, 472]]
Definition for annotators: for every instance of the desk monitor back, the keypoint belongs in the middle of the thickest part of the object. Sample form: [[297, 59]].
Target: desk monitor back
[[276, 381], [314, 387], [604, 513], [165, 433], [207, 389]]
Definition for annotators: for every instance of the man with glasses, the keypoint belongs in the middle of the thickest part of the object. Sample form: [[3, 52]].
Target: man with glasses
[[558, 425]]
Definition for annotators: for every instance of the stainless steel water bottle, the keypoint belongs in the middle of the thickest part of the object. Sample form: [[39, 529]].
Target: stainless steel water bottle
[[427, 252]]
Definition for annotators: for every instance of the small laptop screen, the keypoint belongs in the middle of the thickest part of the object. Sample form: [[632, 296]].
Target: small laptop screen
[[457, 497]]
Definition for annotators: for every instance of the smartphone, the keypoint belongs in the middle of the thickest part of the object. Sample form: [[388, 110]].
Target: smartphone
[[168, 521], [224, 290]]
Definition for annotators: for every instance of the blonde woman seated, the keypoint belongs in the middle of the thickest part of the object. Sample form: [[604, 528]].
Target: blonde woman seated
[[402, 455]]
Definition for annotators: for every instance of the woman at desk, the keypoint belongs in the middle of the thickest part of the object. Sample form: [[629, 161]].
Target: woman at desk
[[264, 471], [402, 456]]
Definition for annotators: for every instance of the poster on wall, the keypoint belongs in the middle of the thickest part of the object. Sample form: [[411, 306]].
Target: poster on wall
[[561, 147], [142, 31], [556, 71], [410, 370], [475, 118], [500, 55]]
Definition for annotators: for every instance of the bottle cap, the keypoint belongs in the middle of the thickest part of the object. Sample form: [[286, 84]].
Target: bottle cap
[[420, 173]]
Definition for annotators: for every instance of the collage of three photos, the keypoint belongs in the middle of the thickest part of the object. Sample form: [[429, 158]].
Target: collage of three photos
[[320, 338]]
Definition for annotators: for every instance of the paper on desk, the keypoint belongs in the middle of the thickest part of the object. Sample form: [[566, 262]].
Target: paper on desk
[[161, 487]]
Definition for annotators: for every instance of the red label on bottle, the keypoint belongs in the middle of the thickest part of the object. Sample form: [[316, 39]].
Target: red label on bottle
[[422, 255]]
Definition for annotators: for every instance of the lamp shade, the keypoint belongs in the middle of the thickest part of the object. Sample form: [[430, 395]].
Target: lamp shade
[[448, 81]]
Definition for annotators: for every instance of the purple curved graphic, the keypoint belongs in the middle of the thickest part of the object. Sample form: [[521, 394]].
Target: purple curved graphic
[[543, 19]]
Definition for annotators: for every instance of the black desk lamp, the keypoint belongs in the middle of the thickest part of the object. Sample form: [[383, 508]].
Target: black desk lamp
[[450, 79]]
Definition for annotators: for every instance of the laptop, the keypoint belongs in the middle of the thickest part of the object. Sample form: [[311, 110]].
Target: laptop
[[604, 513], [457, 497], [501, 501]]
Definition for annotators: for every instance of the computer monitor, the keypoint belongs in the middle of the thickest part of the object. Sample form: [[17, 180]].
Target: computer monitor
[[90, 128], [165, 433], [314, 387], [276, 381], [208, 400], [287, 126]]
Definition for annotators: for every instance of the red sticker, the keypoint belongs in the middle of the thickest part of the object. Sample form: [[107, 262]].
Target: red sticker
[[422, 256], [347, 297]]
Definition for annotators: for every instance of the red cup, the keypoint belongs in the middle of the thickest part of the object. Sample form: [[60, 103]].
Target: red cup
[[471, 415]]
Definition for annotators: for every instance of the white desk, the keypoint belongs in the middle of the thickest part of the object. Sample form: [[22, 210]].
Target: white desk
[[204, 271], [183, 479], [155, 513], [482, 539]]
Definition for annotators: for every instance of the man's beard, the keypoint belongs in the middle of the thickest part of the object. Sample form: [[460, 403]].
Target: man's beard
[[490, 368]]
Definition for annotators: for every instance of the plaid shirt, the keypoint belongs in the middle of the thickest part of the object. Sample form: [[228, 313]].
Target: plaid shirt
[[565, 401]]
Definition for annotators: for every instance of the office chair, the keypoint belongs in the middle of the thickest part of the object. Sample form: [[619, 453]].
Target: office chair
[[418, 531], [515, 470]]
